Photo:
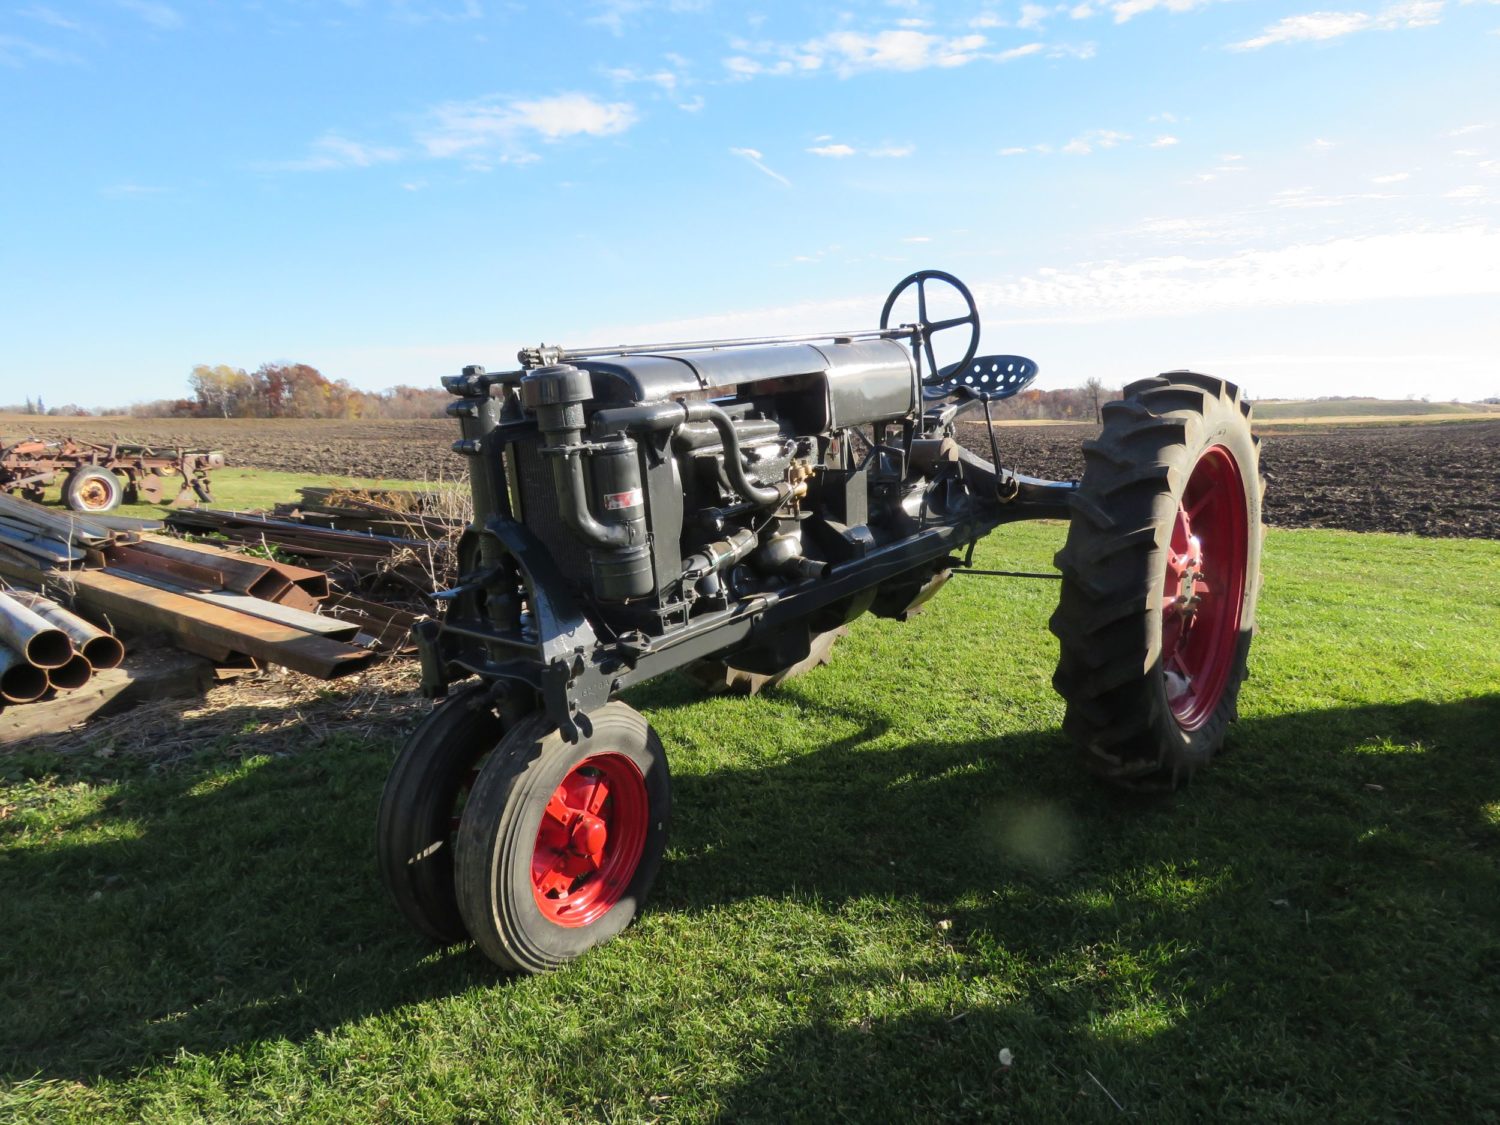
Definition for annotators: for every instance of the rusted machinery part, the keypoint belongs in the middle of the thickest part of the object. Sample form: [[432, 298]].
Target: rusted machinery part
[[36, 639], [101, 649], [721, 677], [20, 680]]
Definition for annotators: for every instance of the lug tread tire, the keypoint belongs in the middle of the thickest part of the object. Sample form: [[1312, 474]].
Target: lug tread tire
[[1108, 620], [412, 830], [497, 837]]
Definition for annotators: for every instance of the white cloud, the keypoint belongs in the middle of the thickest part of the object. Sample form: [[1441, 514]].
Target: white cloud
[[1457, 262], [835, 151], [1465, 130], [666, 79], [917, 238], [1033, 16], [158, 15], [1013, 151], [1317, 27], [331, 152], [848, 52], [892, 152], [49, 16], [492, 125], [757, 158], [1390, 178], [1469, 193], [1094, 138], [16, 52], [1128, 9], [1164, 141]]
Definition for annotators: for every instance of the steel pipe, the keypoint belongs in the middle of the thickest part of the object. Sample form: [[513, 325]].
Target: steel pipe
[[20, 680], [99, 648], [35, 638], [72, 675]]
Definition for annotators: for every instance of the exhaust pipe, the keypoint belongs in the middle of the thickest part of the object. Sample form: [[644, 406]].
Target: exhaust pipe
[[34, 638], [99, 648]]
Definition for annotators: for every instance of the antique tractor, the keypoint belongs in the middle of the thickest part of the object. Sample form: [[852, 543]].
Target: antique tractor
[[731, 504]]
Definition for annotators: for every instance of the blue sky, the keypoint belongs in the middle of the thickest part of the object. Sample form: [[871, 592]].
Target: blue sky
[[1302, 196]]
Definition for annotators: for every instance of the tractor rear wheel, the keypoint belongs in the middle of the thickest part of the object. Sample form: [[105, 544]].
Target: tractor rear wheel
[[422, 805], [561, 842], [92, 489], [1161, 573]]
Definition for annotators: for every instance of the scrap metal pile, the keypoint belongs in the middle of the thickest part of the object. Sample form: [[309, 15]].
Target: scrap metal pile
[[229, 606]]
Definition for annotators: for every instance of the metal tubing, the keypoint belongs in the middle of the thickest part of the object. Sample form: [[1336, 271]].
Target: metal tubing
[[39, 641], [72, 675], [670, 415], [20, 680], [902, 333], [99, 648]]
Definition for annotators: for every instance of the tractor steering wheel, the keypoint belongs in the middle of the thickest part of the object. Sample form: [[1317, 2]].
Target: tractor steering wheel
[[925, 329]]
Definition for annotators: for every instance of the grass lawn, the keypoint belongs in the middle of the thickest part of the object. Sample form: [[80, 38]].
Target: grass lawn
[[881, 876], [244, 489]]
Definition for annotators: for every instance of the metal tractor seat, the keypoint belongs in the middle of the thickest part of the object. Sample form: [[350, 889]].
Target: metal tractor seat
[[989, 378]]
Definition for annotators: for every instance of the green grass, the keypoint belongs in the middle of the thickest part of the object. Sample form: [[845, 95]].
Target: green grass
[[246, 489], [880, 877]]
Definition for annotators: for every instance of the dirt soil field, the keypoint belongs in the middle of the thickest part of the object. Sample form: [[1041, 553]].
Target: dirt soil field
[[1438, 479]]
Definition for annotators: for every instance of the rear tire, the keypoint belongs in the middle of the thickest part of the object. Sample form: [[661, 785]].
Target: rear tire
[[561, 842], [1161, 573], [92, 490]]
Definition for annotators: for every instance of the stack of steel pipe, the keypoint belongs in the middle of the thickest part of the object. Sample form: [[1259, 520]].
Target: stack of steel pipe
[[44, 646]]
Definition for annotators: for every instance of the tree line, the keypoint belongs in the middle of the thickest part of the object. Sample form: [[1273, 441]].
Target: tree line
[[298, 390]]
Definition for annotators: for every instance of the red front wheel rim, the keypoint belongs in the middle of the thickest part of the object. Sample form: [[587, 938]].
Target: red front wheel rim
[[590, 841], [1204, 588]]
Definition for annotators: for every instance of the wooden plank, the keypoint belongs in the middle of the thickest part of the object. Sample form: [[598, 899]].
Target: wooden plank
[[163, 673]]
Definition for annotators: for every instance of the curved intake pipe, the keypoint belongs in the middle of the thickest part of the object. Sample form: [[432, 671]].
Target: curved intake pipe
[[670, 415]]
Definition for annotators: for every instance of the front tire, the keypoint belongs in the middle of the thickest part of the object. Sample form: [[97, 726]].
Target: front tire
[[1161, 574], [423, 804], [561, 842]]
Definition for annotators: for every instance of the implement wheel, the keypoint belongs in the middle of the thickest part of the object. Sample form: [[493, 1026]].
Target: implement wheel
[[1161, 573], [422, 805], [92, 489], [561, 842], [721, 677]]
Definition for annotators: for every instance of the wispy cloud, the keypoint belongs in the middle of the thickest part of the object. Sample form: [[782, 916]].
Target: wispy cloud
[[161, 16], [49, 16], [1319, 27], [332, 152], [838, 151], [1165, 141], [850, 52], [17, 52], [757, 158], [498, 127], [1095, 138]]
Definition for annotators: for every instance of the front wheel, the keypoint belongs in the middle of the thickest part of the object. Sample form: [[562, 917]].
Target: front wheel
[[561, 842], [92, 489], [1161, 573]]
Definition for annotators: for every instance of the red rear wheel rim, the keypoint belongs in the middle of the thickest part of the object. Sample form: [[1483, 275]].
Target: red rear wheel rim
[[1204, 588], [592, 834]]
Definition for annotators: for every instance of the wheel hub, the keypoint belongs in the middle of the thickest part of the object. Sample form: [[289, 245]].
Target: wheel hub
[[590, 840], [1203, 588]]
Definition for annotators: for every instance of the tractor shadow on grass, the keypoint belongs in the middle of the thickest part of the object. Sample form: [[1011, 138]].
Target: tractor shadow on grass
[[222, 905]]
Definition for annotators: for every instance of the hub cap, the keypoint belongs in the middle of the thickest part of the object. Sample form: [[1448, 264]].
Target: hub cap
[[94, 494], [1204, 588], [590, 841]]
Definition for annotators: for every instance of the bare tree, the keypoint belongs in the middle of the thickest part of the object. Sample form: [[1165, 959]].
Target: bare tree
[[1094, 388]]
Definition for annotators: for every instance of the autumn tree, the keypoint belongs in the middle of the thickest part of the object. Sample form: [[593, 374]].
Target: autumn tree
[[220, 390]]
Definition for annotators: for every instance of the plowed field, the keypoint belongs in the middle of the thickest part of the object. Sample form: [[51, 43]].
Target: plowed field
[[1439, 479]]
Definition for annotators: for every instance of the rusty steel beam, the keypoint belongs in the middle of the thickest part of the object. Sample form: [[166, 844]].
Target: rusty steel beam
[[306, 587], [198, 626]]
